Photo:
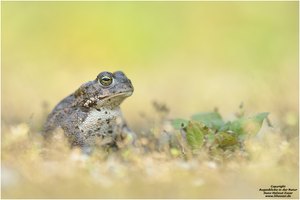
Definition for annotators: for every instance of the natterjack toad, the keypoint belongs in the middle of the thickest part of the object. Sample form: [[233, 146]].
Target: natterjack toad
[[91, 115]]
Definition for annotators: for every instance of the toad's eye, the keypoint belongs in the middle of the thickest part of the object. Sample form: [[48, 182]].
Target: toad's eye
[[106, 80]]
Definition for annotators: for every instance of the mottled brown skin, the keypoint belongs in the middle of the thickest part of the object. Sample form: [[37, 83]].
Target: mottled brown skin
[[92, 113]]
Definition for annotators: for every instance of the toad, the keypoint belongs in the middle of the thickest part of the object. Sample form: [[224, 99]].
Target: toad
[[92, 113]]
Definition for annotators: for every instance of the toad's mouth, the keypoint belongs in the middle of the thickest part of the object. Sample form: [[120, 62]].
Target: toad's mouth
[[107, 100], [125, 94], [113, 100]]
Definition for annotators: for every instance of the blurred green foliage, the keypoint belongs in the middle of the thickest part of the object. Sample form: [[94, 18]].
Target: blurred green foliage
[[216, 131], [211, 119], [195, 135]]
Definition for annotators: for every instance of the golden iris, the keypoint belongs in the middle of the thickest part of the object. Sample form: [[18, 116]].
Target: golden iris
[[106, 80]]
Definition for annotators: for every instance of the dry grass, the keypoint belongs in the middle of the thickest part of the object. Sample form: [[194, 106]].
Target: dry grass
[[33, 168]]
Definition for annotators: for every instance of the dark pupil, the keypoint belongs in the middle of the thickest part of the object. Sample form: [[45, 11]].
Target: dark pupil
[[105, 79]]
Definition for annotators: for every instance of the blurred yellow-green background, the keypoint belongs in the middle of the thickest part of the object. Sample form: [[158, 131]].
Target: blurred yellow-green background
[[193, 56]]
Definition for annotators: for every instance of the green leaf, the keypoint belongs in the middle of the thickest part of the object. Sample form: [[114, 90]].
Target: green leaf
[[225, 139], [210, 119], [179, 123], [245, 126], [252, 125], [237, 126], [225, 127], [195, 134], [260, 117]]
